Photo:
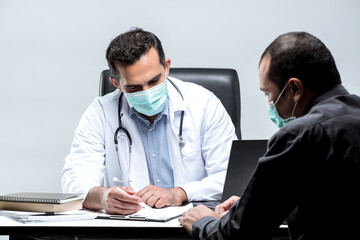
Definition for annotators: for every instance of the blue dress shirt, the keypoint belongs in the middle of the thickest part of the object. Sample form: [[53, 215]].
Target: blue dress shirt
[[154, 139]]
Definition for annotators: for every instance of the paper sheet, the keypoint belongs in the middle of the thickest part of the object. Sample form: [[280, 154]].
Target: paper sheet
[[31, 217], [154, 214]]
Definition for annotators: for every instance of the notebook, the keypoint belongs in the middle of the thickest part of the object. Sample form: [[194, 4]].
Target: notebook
[[243, 159], [41, 202]]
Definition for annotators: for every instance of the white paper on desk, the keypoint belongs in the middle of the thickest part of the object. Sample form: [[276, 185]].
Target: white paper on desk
[[154, 214], [32, 217]]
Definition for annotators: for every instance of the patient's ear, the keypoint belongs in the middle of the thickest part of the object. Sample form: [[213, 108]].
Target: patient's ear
[[297, 88]]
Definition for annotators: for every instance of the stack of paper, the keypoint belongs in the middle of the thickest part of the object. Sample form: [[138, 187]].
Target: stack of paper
[[31, 217]]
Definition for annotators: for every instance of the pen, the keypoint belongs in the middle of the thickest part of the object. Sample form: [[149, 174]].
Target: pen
[[144, 205]]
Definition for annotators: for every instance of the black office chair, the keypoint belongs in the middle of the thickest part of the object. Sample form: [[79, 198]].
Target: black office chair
[[224, 83]]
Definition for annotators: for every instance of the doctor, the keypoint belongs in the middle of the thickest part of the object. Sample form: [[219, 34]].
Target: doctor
[[155, 139]]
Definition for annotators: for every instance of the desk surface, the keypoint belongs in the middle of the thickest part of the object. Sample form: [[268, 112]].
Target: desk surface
[[95, 227], [100, 228]]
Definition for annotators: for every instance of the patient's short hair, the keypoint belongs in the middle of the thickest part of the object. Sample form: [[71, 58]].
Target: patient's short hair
[[303, 56]]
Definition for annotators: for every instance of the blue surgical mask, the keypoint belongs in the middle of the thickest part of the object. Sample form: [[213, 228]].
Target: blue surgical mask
[[149, 102], [274, 115]]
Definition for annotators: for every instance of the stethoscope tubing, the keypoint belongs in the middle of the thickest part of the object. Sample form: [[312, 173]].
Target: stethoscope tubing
[[123, 129]]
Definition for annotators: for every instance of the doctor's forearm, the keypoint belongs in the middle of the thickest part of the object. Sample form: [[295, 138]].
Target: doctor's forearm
[[94, 198]]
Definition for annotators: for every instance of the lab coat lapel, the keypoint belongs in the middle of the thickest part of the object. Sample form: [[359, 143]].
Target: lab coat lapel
[[139, 175], [176, 105]]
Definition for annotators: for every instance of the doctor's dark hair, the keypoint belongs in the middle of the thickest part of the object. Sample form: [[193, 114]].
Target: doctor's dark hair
[[303, 56], [127, 48]]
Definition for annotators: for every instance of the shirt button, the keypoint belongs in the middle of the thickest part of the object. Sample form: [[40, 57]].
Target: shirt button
[[158, 180], [151, 129], [153, 155]]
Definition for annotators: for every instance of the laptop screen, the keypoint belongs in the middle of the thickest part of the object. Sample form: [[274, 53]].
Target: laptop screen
[[244, 157]]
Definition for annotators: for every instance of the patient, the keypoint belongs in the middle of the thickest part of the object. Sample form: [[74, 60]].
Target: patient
[[311, 171]]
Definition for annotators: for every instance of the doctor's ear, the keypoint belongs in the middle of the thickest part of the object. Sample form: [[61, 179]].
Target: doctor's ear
[[115, 83], [167, 66], [297, 88]]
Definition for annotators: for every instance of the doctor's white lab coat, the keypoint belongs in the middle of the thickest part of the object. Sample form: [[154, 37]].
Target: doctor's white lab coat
[[199, 167]]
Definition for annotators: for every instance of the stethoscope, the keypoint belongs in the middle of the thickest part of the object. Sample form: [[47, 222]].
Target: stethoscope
[[180, 138]]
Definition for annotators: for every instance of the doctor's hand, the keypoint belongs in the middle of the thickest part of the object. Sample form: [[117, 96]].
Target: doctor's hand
[[193, 214], [114, 200], [159, 197], [224, 207]]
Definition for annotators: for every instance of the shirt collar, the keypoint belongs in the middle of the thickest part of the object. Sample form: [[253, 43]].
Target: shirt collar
[[335, 91]]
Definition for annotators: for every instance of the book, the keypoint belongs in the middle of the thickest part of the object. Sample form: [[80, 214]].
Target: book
[[41, 202], [33, 217], [153, 214]]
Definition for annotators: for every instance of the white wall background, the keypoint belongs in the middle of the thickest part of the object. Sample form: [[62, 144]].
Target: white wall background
[[52, 53]]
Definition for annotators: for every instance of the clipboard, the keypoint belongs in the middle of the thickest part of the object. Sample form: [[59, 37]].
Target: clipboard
[[137, 218], [152, 215]]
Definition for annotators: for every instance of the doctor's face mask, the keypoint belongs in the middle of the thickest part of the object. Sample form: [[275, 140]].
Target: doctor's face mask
[[151, 101]]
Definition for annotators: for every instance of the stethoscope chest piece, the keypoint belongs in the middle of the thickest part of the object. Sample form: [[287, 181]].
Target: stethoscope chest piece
[[181, 141]]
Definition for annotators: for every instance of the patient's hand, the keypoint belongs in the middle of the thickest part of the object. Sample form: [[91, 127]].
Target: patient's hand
[[193, 214], [224, 207]]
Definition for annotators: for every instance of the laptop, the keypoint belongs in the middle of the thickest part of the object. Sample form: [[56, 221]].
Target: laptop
[[244, 157]]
